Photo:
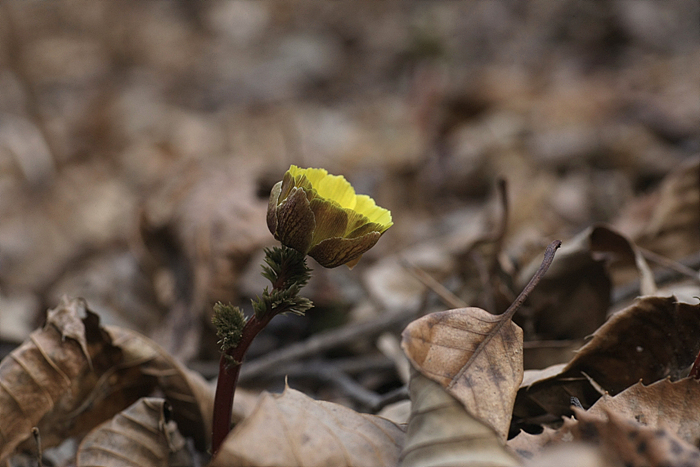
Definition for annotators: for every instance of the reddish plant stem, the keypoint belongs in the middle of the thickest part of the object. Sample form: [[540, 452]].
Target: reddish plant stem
[[228, 379], [230, 365]]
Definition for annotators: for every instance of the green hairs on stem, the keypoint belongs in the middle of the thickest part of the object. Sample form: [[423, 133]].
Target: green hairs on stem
[[229, 322], [286, 269]]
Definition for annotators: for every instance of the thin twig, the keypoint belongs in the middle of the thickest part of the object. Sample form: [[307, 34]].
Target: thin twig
[[486, 278], [680, 268], [433, 284], [325, 341], [512, 309], [398, 394], [664, 276], [39, 453], [500, 234]]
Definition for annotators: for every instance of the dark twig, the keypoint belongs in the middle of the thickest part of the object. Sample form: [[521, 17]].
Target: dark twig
[[323, 342], [676, 266], [512, 309], [433, 284], [486, 280], [398, 394], [39, 453], [663, 276]]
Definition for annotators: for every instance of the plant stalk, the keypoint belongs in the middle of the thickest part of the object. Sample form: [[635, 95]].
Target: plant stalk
[[229, 369]]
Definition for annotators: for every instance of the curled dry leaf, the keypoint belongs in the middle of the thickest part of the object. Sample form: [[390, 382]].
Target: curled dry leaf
[[655, 338], [142, 435], [441, 432], [573, 298], [147, 364], [45, 380], [73, 375], [445, 347], [293, 429], [664, 404]]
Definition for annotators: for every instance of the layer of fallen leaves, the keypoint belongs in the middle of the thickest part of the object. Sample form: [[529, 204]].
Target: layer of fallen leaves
[[76, 379], [137, 145]]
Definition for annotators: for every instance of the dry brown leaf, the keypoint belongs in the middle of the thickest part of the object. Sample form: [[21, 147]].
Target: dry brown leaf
[[44, 380], [526, 445], [442, 432], [617, 439], [443, 344], [630, 442], [50, 383], [670, 228], [200, 230], [604, 239], [573, 298], [655, 338], [143, 435], [664, 404], [572, 454], [292, 429], [146, 363]]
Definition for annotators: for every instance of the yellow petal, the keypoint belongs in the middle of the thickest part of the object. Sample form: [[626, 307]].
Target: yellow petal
[[368, 208]]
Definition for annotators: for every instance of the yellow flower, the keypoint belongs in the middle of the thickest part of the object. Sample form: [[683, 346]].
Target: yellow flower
[[320, 215]]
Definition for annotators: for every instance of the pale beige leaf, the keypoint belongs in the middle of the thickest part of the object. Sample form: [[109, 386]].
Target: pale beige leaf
[[442, 433], [572, 454], [442, 347], [292, 429], [141, 436], [191, 397], [664, 404], [46, 378], [526, 445]]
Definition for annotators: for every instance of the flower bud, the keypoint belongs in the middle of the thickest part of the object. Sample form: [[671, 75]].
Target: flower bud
[[320, 215]]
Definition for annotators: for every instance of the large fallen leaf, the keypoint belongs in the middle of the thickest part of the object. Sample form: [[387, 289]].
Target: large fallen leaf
[[292, 429], [617, 438], [445, 347], [147, 364], [73, 375], [441, 432], [664, 404], [655, 338], [629, 442], [143, 435], [46, 379]]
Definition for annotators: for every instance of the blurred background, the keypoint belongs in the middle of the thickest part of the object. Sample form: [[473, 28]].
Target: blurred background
[[139, 142]]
